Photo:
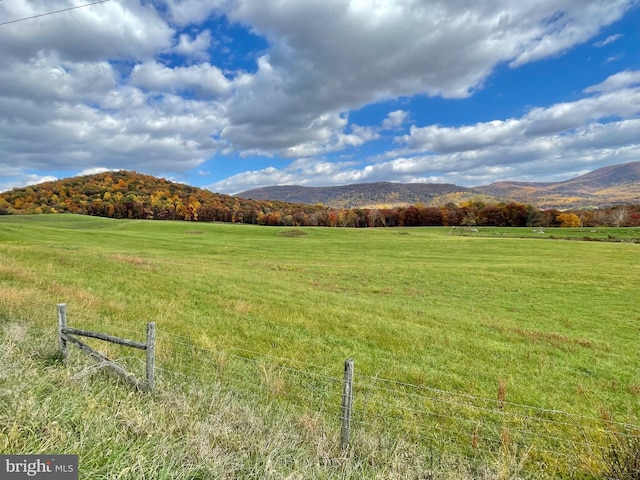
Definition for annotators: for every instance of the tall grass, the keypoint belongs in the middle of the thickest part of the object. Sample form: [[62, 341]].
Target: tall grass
[[549, 324], [183, 431]]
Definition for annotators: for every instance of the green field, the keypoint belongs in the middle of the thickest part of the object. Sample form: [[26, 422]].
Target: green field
[[469, 319]]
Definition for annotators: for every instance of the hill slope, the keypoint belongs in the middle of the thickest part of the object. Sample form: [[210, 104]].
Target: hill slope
[[357, 195], [126, 194], [617, 184]]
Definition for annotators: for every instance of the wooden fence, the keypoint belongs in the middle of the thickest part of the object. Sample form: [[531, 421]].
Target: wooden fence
[[68, 334]]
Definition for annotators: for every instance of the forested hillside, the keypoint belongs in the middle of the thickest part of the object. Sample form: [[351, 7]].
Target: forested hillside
[[364, 195], [125, 194]]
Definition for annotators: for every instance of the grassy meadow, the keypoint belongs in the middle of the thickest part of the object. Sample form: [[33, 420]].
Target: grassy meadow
[[427, 314]]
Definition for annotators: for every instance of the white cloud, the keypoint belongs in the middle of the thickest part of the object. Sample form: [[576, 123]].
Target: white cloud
[[204, 80], [195, 48], [253, 179], [95, 170], [627, 78], [394, 120], [112, 30], [545, 144], [24, 180], [304, 171], [337, 55], [444, 139], [46, 78], [190, 12], [96, 87], [608, 40], [552, 28], [561, 118]]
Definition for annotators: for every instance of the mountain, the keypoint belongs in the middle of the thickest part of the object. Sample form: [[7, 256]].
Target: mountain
[[616, 184], [357, 195]]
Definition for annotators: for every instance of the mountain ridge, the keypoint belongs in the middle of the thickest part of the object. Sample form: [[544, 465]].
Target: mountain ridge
[[606, 186]]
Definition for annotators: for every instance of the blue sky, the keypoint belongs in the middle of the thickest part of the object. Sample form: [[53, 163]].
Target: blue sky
[[239, 94]]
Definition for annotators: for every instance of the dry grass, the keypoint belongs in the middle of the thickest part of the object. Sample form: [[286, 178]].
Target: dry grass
[[184, 431]]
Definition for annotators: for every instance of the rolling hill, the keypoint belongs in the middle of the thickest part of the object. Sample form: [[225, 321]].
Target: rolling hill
[[126, 194]]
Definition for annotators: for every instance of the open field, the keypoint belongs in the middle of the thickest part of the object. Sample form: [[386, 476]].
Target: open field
[[548, 324]]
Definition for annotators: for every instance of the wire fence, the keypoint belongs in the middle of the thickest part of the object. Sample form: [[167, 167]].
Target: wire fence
[[468, 426]]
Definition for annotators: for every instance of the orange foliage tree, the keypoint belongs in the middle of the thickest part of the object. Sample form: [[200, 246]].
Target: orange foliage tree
[[568, 220]]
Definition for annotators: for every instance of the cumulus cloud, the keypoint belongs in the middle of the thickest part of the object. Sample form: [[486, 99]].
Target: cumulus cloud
[[204, 80], [99, 87], [576, 136], [561, 118], [627, 78], [311, 172], [23, 180], [394, 120], [196, 47], [191, 12], [551, 29], [254, 179], [333, 56], [112, 30], [95, 170]]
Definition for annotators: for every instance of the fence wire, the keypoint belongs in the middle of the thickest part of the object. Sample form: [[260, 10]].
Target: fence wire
[[437, 420]]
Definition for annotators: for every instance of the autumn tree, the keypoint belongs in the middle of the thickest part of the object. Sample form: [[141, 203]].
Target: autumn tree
[[568, 220], [5, 207], [620, 216]]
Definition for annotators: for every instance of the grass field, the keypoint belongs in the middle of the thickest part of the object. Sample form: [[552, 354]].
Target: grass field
[[548, 324]]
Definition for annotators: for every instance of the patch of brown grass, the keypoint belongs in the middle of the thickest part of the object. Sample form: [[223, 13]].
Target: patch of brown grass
[[292, 233], [634, 388], [554, 338], [131, 260], [238, 306]]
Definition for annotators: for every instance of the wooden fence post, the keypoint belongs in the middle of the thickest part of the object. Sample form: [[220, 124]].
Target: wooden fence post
[[151, 351], [347, 403], [62, 323]]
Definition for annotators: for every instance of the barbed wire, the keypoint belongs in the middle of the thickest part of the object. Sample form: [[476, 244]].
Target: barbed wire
[[511, 428], [259, 362], [240, 349], [258, 359], [494, 400], [472, 423], [496, 411]]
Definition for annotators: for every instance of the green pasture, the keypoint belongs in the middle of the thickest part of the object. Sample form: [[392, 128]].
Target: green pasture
[[553, 324]]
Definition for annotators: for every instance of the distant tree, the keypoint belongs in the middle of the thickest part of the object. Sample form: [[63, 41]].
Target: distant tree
[[620, 216], [391, 217], [430, 216], [5, 207], [568, 220], [409, 217]]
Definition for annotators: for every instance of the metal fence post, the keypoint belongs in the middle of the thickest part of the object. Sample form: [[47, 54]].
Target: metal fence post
[[151, 352]]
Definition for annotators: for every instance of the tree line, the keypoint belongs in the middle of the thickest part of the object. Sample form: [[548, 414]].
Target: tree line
[[125, 194]]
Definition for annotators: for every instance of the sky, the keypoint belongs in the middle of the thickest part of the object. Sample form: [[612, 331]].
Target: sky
[[232, 95]]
